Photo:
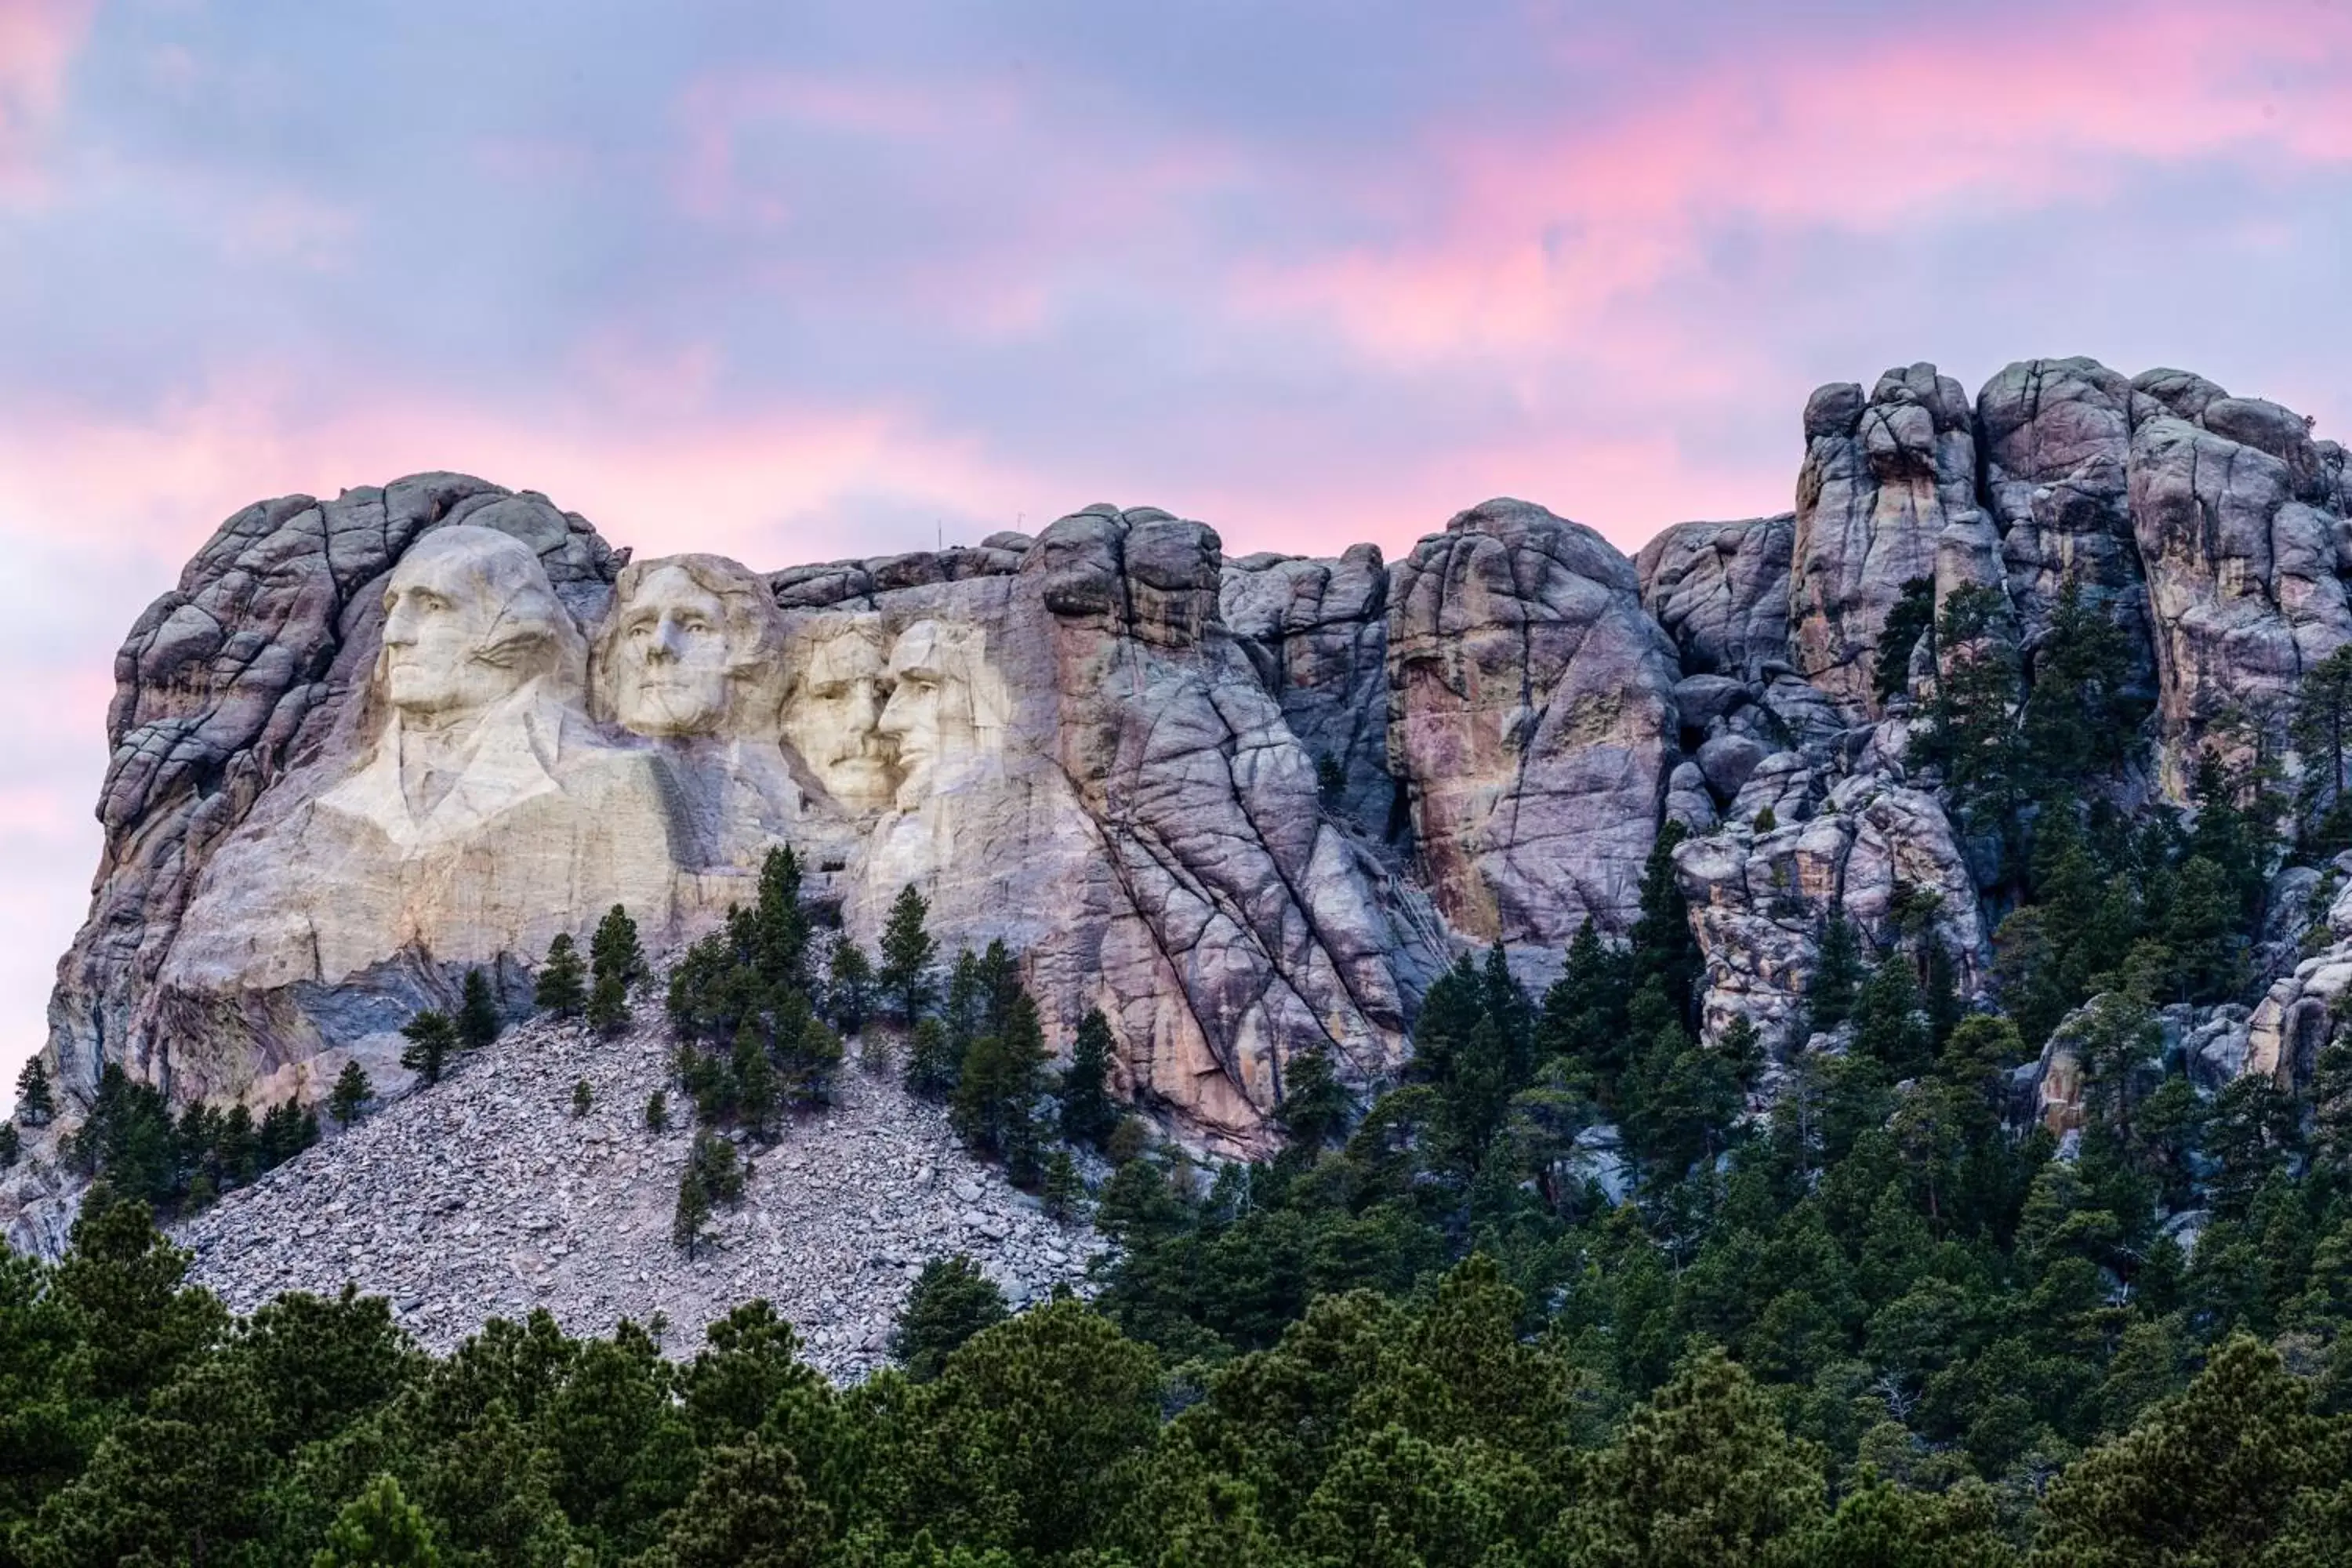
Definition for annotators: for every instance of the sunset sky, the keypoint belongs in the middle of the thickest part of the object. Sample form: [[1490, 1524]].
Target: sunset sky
[[842, 277]]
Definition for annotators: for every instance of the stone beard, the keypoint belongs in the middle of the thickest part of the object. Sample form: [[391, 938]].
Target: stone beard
[[832, 714], [693, 646]]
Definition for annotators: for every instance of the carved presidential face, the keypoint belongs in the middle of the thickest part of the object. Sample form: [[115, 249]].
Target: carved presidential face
[[673, 675], [468, 617], [834, 714], [942, 707], [690, 649]]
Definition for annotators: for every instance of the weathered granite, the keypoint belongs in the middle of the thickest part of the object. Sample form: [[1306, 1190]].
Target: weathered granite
[[1531, 716]]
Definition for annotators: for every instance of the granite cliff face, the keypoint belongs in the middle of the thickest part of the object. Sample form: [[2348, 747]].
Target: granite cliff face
[[1246, 807]]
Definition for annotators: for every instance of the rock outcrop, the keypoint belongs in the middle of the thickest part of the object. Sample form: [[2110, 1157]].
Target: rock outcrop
[[1316, 633], [2241, 532], [1246, 807], [1531, 716], [1761, 901], [2056, 439], [1885, 475], [1721, 591]]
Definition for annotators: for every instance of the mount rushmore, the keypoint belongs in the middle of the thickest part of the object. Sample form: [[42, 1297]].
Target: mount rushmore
[[1245, 806]]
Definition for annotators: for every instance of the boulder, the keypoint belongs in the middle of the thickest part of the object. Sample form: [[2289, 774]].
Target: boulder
[[1721, 591], [1531, 718]]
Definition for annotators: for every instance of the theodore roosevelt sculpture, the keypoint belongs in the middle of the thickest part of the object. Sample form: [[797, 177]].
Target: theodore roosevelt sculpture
[[840, 681], [484, 789]]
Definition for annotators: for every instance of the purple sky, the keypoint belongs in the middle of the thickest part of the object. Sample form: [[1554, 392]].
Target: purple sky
[[836, 277]]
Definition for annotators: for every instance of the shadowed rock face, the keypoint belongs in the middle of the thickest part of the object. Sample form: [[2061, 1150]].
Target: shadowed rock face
[[2057, 441], [1531, 715]]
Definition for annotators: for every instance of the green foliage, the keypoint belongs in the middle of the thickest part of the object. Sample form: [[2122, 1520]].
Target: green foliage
[[432, 1036], [477, 1013], [2321, 728], [1837, 974], [1705, 1473], [129, 1142], [849, 985], [1063, 1192], [379, 1528], [1086, 1114], [951, 1301], [1912, 618], [351, 1094], [907, 952], [12, 1145], [583, 1098], [36, 1102], [1314, 1108], [1331, 781], [751, 1041], [561, 987], [657, 1111], [614, 949]]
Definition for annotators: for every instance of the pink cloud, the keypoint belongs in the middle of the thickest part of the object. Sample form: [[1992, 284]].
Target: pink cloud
[[37, 41], [771, 485], [1542, 235]]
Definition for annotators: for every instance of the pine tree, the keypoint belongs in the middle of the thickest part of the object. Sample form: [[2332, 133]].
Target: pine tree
[[432, 1036], [1663, 951], [477, 1013], [608, 1005], [561, 988], [380, 1529], [907, 952], [2209, 1477], [583, 1098], [932, 1061], [613, 950], [36, 1103], [1913, 617], [1063, 1192], [1837, 974], [11, 1144], [2321, 729], [1313, 1107], [1704, 1473], [952, 1300], [350, 1095], [657, 1111], [757, 1090], [999, 1078], [748, 1508], [691, 1218], [1088, 1114], [849, 985]]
